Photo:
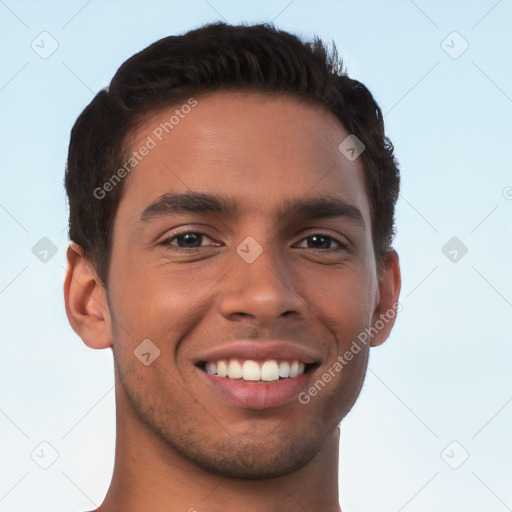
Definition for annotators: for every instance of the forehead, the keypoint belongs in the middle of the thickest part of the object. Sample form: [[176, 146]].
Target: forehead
[[255, 148]]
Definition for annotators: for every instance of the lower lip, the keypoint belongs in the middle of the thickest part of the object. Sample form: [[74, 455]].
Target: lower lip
[[258, 395]]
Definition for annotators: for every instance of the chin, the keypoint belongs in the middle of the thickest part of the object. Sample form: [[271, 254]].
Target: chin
[[245, 458]]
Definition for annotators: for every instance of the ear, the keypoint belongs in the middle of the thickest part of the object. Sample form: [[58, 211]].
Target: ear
[[86, 301], [387, 300]]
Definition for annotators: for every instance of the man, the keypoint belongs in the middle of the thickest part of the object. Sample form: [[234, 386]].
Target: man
[[231, 214]]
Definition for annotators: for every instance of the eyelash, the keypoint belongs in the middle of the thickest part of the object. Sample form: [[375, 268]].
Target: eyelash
[[167, 242]]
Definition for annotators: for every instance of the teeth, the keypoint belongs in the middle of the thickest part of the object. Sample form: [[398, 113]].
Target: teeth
[[211, 368], [269, 371], [222, 369], [294, 369], [284, 369], [234, 369], [249, 370]]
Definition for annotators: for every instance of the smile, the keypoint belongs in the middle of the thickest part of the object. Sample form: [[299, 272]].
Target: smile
[[254, 371], [258, 374]]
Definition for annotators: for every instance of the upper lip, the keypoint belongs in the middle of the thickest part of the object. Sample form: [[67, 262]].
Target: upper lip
[[261, 350]]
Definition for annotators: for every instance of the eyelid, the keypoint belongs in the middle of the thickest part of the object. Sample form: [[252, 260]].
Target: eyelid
[[184, 229]]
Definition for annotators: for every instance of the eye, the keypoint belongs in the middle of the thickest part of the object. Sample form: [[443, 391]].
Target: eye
[[321, 241], [186, 240]]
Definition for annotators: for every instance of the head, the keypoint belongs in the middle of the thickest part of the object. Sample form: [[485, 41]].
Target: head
[[232, 134]]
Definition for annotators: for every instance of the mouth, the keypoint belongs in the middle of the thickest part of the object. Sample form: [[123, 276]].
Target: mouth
[[258, 375]]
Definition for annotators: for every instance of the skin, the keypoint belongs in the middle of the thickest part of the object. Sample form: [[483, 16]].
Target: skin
[[180, 446]]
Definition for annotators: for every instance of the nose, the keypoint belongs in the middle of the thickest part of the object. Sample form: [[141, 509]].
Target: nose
[[261, 291]]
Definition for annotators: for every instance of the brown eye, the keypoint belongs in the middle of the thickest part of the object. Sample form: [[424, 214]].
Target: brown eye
[[322, 242], [189, 240], [319, 242]]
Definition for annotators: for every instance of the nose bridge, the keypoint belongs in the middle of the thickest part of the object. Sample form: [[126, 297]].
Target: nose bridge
[[259, 284], [259, 265]]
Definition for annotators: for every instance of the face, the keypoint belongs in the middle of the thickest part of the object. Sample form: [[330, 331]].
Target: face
[[242, 243]]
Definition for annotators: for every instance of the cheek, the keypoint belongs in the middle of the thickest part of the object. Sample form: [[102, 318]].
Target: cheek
[[343, 310], [343, 304], [160, 303]]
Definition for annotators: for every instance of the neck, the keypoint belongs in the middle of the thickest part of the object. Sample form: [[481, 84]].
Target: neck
[[151, 475]]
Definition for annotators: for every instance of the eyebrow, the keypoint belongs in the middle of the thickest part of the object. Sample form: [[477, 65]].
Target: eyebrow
[[190, 202], [318, 207]]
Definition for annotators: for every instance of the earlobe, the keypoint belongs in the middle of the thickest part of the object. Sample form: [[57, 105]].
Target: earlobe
[[389, 291], [86, 301]]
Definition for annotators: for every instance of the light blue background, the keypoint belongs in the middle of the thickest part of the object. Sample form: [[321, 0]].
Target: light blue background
[[445, 373]]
